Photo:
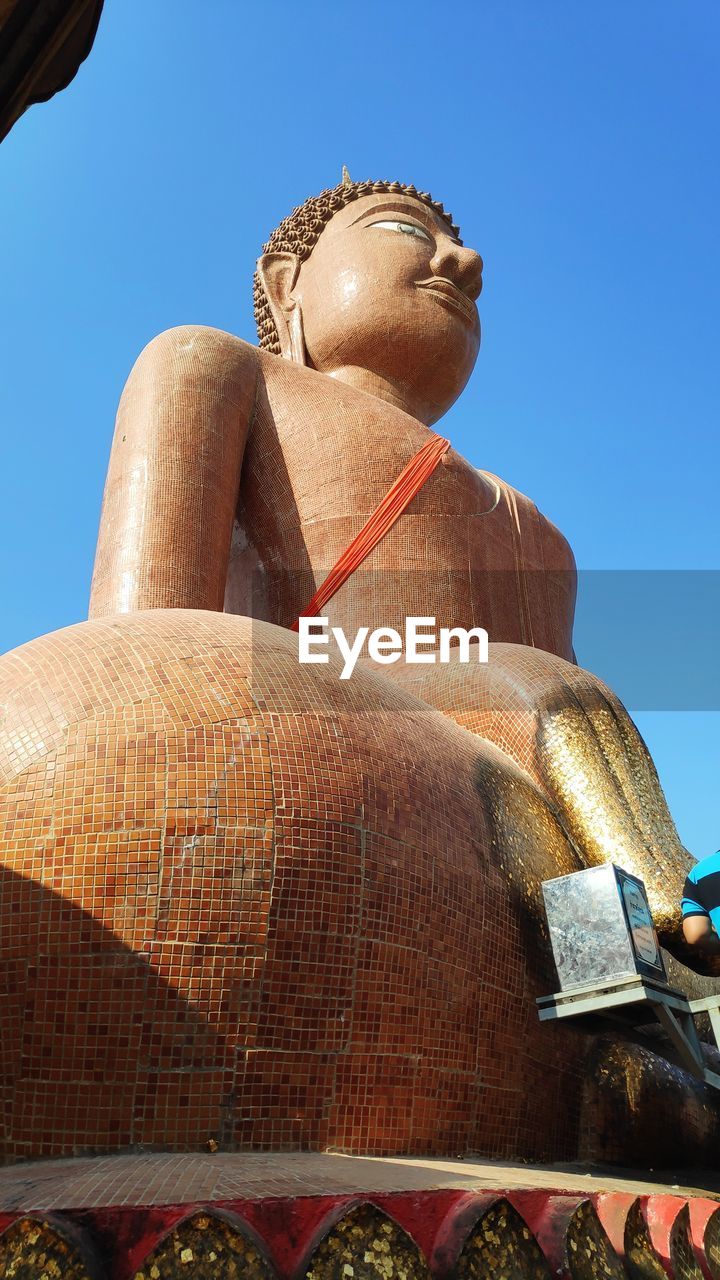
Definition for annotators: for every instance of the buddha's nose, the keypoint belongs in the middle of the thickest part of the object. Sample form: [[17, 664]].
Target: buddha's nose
[[458, 263]]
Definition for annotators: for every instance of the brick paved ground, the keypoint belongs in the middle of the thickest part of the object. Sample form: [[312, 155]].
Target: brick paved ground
[[157, 1179]]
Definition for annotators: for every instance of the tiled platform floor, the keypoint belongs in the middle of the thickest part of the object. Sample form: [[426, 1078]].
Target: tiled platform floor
[[162, 1179]]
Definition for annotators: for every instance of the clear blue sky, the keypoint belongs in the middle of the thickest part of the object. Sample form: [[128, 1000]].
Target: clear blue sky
[[577, 146]]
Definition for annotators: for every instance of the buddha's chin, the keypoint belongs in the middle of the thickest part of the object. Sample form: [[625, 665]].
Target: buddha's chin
[[438, 370], [392, 339], [428, 364], [448, 348], [437, 402]]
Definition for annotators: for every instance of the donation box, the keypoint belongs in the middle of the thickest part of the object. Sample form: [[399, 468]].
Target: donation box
[[601, 927]]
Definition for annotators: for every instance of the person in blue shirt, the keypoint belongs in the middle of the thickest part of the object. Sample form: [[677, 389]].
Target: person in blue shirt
[[701, 905]]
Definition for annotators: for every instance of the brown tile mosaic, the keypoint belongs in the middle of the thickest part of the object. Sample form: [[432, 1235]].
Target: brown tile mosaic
[[285, 930]]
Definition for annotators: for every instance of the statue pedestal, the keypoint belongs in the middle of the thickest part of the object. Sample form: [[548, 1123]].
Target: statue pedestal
[[286, 1217]]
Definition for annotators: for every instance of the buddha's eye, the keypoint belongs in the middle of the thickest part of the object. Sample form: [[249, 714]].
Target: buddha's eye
[[406, 228]]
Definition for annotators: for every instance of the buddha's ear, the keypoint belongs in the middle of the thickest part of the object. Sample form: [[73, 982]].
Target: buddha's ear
[[278, 274]]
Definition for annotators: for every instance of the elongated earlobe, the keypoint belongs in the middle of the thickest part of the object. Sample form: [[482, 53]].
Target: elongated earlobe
[[278, 273], [298, 351]]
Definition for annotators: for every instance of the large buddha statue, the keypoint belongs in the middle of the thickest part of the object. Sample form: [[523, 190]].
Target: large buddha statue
[[305, 912]]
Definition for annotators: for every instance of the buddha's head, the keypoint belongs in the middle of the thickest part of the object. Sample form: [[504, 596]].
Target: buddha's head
[[373, 276]]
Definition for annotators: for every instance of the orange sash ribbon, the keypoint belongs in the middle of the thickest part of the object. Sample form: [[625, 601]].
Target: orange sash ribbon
[[398, 497]]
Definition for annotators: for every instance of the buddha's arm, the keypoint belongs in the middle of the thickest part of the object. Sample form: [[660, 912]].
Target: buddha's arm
[[174, 474]]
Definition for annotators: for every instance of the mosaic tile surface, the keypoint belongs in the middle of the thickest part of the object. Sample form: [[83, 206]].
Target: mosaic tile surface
[[247, 906], [226, 920]]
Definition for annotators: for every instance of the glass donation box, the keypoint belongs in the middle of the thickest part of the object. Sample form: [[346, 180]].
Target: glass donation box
[[601, 927]]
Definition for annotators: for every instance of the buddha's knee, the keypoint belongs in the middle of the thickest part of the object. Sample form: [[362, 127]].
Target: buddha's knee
[[576, 741], [252, 857]]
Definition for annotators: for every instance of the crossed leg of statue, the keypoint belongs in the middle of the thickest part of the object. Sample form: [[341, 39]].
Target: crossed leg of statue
[[584, 762], [572, 736]]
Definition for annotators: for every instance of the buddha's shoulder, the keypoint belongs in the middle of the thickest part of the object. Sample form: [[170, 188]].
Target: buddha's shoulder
[[556, 548], [190, 349]]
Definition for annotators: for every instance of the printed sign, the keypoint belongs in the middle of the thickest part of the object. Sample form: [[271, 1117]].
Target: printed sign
[[641, 924]]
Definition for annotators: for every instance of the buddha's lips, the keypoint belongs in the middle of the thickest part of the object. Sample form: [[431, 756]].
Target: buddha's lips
[[449, 292]]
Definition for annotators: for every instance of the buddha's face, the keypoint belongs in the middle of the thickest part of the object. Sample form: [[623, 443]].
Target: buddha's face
[[388, 289]]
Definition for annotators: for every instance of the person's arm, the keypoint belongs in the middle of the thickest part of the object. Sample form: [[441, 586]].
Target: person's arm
[[174, 474], [698, 932]]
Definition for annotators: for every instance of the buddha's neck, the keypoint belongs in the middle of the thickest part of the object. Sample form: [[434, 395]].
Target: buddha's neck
[[374, 384]]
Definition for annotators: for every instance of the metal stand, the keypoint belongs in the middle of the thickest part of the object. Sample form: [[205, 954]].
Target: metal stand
[[636, 1001]]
